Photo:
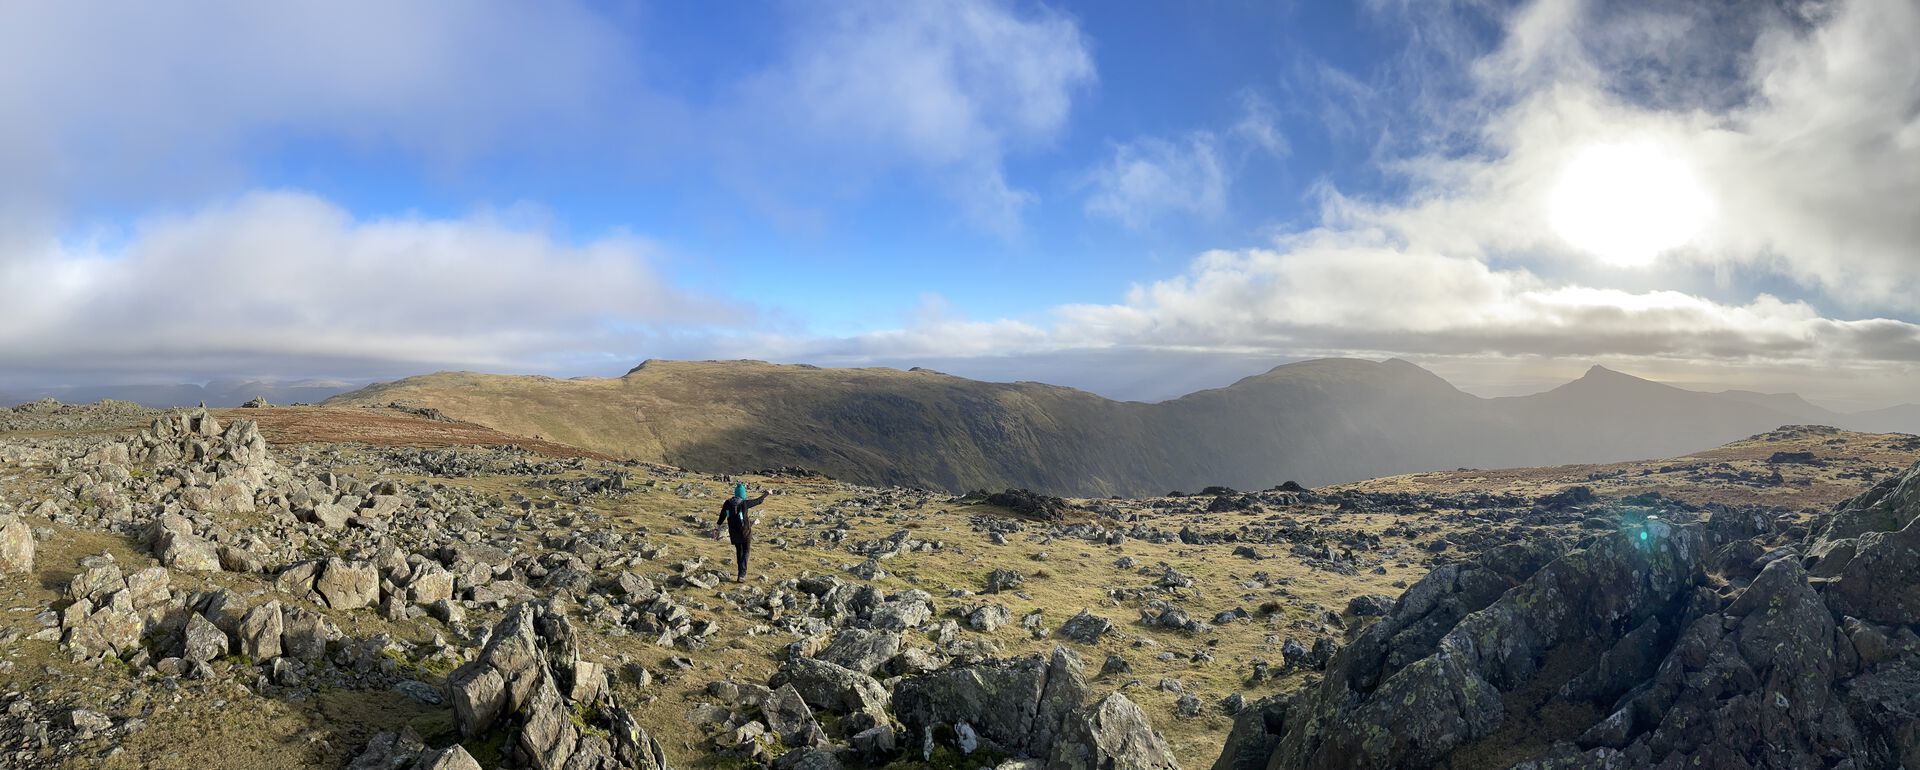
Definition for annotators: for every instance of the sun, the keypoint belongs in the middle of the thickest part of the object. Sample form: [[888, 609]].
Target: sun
[[1627, 203]]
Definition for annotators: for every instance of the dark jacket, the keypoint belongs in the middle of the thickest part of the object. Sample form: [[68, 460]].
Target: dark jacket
[[733, 513]]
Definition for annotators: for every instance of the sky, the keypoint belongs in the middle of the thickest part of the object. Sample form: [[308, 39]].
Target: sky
[[1135, 199]]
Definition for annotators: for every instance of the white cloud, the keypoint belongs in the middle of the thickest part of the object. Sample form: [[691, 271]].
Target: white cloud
[[277, 277], [1819, 174], [142, 104], [1809, 171], [949, 88], [1150, 178], [1259, 124], [1329, 292]]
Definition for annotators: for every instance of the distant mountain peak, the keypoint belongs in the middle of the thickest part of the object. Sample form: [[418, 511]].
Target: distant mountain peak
[[1598, 374], [1343, 372]]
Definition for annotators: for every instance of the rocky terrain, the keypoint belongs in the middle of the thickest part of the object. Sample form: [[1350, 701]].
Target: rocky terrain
[[1741, 640], [1315, 422], [371, 588]]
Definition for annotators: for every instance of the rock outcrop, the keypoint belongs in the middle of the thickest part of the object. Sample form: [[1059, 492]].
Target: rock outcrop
[[557, 709], [530, 685], [1027, 707], [16, 546], [1647, 648]]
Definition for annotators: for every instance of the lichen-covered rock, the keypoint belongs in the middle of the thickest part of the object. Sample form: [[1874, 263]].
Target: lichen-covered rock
[[479, 695], [201, 640], [305, 634], [453, 757], [16, 546], [297, 578], [1003, 580], [259, 631], [1880, 581], [1018, 707], [1110, 734], [390, 751], [348, 585], [1870, 549], [429, 583], [988, 617], [1256, 733], [1086, 627], [809, 759], [1641, 662], [861, 650], [104, 631], [547, 736], [330, 515], [529, 680], [787, 714], [1431, 676], [999, 699], [149, 587], [236, 559], [1888, 506], [834, 689], [186, 551], [902, 612], [228, 495], [1760, 678], [95, 583]]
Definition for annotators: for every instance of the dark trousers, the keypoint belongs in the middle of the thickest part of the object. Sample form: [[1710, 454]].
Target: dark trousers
[[740, 548]]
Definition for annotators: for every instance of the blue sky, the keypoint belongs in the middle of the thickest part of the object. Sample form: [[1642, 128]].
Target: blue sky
[[1125, 197], [899, 232]]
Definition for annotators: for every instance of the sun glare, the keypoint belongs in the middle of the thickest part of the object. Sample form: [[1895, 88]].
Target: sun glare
[[1627, 203]]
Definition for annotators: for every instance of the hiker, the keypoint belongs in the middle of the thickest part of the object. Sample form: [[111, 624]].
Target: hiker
[[733, 513]]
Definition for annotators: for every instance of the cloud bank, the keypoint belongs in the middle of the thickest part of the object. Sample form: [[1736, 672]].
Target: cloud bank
[[270, 278]]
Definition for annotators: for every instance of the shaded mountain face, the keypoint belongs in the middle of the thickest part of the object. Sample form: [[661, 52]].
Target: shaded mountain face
[[1316, 422]]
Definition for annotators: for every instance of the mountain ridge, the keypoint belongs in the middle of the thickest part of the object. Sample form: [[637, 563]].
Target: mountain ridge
[[1316, 421]]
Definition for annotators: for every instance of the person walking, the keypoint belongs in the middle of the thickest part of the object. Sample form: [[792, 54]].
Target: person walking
[[733, 513]]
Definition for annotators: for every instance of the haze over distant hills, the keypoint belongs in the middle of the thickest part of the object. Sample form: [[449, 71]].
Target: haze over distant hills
[[218, 393], [1317, 422]]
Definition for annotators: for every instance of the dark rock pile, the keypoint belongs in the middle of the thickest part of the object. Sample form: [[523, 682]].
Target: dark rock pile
[[1023, 502], [417, 411], [469, 462]]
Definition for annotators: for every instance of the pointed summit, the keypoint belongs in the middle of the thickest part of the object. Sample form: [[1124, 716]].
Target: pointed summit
[[1600, 376]]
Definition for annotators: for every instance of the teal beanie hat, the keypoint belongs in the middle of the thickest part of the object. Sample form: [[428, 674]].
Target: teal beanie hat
[[740, 491]]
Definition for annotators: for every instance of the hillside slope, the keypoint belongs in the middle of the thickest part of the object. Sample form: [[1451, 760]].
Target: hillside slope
[[1317, 422]]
